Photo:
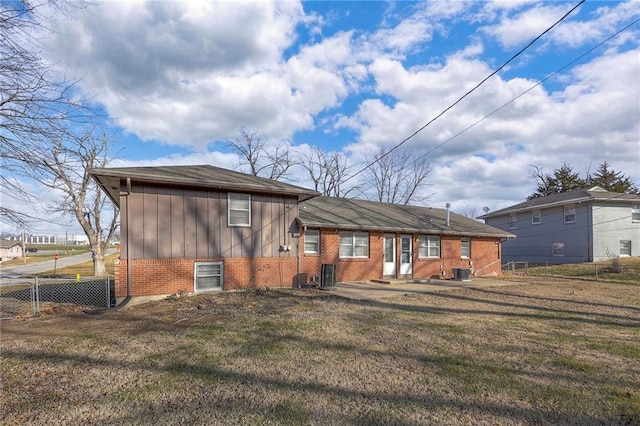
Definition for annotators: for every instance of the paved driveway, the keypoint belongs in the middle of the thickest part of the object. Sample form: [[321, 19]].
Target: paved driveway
[[376, 291]]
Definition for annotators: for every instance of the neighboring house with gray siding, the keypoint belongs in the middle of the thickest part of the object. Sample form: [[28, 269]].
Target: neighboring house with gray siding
[[583, 225]]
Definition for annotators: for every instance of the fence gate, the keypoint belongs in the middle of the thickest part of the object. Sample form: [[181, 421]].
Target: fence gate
[[38, 295]]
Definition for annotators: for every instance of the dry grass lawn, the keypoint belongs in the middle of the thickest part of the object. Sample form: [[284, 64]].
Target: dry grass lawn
[[544, 352]]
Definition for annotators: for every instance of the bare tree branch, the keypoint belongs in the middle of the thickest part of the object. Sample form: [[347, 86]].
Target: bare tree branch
[[395, 177], [263, 159], [328, 172]]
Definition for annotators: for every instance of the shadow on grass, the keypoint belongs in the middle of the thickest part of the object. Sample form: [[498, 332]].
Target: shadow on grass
[[212, 377]]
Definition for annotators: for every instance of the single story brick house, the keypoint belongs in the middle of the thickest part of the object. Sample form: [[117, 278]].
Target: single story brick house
[[203, 228]]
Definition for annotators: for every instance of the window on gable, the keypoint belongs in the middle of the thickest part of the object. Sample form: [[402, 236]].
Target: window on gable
[[536, 217], [429, 246], [239, 209], [558, 248], [635, 213], [312, 241], [354, 244], [513, 220], [569, 213], [465, 247]]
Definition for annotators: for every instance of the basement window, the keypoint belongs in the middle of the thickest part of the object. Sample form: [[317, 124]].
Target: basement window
[[208, 276], [558, 248]]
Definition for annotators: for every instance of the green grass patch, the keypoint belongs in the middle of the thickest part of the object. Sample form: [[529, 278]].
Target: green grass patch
[[625, 350], [577, 365]]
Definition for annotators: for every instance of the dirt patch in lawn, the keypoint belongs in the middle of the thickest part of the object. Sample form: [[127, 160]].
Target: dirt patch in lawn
[[543, 352]]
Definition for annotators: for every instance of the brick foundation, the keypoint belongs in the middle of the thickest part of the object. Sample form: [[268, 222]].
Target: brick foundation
[[166, 276]]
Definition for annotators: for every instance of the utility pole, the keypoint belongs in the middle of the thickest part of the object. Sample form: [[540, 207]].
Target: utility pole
[[23, 238]]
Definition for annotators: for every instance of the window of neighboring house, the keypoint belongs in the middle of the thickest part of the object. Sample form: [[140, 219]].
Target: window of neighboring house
[[354, 244], [625, 247], [569, 213], [465, 247], [208, 276], [239, 209], [312, 241], [513, 219], [558, 248], [536, 217], [429, 246], [635, 213]]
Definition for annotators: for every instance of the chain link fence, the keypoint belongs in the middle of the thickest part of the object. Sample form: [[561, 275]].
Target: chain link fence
[[612, 270], [38, 296]]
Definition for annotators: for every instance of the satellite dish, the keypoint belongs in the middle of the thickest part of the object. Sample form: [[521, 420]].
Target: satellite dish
[[485, 209]]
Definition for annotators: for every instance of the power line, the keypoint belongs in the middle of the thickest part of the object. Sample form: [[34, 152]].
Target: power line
[[553, 74], [497, 70]]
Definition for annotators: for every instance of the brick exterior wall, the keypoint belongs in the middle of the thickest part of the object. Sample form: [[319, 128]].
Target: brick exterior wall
[[167, 276], [485, 258]]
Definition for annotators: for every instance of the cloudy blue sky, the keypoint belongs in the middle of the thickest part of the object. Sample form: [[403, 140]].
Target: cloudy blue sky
[[177, 79]]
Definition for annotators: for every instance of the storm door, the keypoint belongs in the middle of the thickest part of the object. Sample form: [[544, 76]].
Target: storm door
[[389, 267], [406, 255]]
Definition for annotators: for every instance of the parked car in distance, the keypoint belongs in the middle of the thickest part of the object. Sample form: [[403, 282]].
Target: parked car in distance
[[32, 250]]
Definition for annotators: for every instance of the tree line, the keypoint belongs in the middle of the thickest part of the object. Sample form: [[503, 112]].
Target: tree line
[[565, 179]]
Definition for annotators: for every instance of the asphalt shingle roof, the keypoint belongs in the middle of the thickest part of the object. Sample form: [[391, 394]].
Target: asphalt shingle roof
[[204, 176], [353, 214], [577, 195]]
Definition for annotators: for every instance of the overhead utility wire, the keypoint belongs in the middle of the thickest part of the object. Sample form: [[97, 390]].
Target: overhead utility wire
[[553, 74], [497, 70]]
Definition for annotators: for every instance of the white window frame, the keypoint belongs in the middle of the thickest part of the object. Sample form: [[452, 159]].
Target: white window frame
[[465, 253], [352, 243], [429, 247], [314, 241], [536, 217], [513, 220], [625, 248], [570, 212], [233, 201], [557, 248], [635, 213], [197, 276]]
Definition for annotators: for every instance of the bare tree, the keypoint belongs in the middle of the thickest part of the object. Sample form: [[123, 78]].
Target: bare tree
[[328, 171], [67, 170], [36, 104], [468, 211], [397, 177], [40, 114], [263, 158]]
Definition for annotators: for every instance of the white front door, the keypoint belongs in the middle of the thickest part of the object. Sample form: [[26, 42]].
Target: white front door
[[389, 267], [406, 255]]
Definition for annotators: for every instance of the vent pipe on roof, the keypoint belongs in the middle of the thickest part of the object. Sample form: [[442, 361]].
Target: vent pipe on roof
[[448, 214]]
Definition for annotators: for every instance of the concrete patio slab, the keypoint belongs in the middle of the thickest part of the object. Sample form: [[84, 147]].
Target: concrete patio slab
[[369, 290]]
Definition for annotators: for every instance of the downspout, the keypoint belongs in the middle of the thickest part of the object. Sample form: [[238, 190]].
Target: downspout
[[128, 237], [298, 266]]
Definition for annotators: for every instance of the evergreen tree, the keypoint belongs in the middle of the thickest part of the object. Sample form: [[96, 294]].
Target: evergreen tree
[[611, 180], [563, 179]]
